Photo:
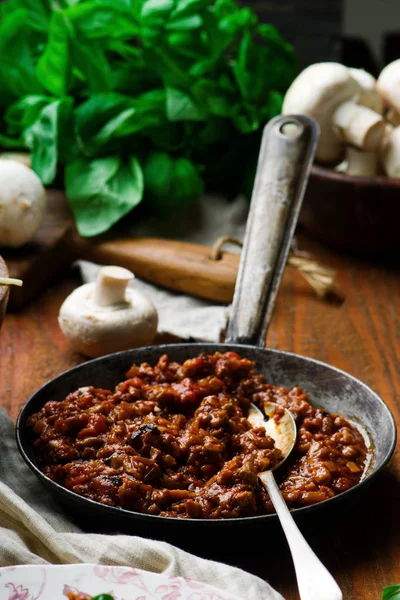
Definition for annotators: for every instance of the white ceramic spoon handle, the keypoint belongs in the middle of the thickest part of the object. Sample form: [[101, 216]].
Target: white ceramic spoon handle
[[313, 579]]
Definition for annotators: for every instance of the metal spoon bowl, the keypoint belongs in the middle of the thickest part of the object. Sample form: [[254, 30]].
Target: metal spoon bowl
[[313, 579], [282, 430]]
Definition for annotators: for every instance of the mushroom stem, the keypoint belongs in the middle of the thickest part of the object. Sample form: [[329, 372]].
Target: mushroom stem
[[359, 126], [393, 117], [360, 163], [391, 152], [110, 287]]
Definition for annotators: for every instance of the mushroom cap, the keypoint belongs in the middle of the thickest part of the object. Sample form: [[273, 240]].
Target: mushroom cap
[[22, 157], [369, 95], [317, 92], [22, 203], [389, 84], [95, 330]]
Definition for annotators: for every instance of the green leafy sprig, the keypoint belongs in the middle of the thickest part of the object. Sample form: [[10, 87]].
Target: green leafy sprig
[[138, 98], [391, 592]]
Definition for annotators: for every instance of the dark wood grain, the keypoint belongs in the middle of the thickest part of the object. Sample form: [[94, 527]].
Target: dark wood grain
[[360, 542], [4, 291], [37, 263]]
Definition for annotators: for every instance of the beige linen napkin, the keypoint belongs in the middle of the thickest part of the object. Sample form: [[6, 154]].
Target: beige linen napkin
[[34, 530]]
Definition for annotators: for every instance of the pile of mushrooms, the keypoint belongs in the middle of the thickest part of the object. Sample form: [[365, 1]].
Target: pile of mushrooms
[[359, 116]]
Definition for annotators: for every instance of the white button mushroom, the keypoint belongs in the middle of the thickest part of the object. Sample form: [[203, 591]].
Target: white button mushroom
[[389, 84], [107, 316], [22, 203], [359, 163], [21, 157], [393, 117], [389, 87], [390, 154], [328, 93], [369, 95]]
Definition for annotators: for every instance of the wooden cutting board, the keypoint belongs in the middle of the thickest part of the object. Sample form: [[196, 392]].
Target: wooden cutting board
[[38, 262], [178, 266]]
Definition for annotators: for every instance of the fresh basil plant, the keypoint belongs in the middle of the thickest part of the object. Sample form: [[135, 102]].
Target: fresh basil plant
[[138, 99]]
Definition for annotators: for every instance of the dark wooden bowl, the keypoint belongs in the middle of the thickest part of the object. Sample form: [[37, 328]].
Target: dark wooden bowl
[[360, 215], [4, 291]]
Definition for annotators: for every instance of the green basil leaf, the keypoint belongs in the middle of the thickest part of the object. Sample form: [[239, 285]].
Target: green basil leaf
[[53, 68], [216, 42], [126, 122], [236, 22], [189, 7], [126, 50], [22, 113], [181, 107], [240, 68], [163, 63], [126, 6], [11, 143], [247, 123], [98, 109], [217, 100], [187, 180], [102, 597], [96, 21], [67, 143], [186, 43], [39, 11], [102, 191], [147, 111], [18, 47], [223, 8], [275, 101], [259, 69], [43, 138], [94, 114], [169, 136], [391, 592], [215, 131], [185, 23], [171, 182], [158, 174], [155, 10], [92, 62]]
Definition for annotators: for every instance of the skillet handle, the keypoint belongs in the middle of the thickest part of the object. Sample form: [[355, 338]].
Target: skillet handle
[[286, 155]]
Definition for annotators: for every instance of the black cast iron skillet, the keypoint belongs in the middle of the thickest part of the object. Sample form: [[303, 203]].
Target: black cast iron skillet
[[284, 163]]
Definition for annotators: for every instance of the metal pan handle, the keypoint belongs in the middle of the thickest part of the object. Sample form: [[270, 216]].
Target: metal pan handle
[[287, 152]]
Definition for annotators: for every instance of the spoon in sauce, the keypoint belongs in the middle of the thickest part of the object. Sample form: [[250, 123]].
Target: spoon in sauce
[[313, 579]]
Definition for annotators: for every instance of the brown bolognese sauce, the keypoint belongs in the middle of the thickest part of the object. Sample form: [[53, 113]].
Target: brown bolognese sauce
[[173, 440]]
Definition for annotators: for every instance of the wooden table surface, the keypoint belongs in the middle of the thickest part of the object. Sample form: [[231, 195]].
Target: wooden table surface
[[360, 544]]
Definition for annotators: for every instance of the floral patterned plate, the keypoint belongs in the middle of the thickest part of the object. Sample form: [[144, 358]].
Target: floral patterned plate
[[53, 582]]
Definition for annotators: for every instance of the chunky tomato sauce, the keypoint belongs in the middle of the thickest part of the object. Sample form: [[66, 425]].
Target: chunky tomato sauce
[[173, 440]]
